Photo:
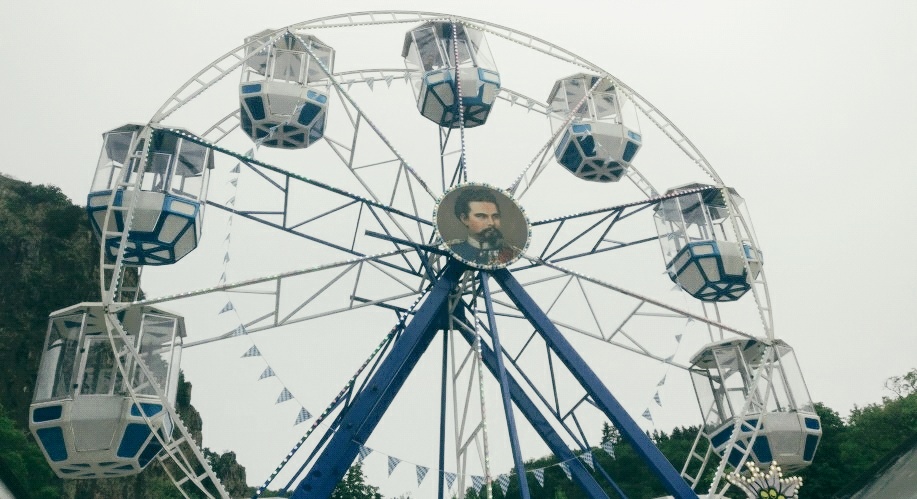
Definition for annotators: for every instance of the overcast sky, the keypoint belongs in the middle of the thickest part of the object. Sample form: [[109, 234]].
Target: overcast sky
[[807, 108]]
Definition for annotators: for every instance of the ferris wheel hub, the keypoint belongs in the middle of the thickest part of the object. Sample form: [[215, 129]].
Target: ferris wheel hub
[[482, 226]]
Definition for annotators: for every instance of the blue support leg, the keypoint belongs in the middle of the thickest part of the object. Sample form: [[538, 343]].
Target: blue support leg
[[600, 394], [442, 418], [368, 406], [504, 388]]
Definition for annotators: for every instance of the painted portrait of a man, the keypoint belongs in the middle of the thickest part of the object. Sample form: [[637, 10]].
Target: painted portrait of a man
[[486, 235]]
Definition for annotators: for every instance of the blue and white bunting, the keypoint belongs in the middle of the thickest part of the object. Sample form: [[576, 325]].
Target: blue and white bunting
[[303, 415], [284, 396], [647, 415], [503, 480], [477, 482], [239, 331], [234, 182], [392, 464], [450, 479], [657, 399], [587, 458], [364, 451], [223, 278], [539, 476], [678, 338], [252, 352], [609, 448], [662, 381], [421, 473], [566, 468], [235, 169], [226, 260], [268, 372], [228, 306]]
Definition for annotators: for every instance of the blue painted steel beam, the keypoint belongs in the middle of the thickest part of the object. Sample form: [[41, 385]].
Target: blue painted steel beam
[[444, 383], [536, 419], [504, 387], [604, 400], [368, 406]]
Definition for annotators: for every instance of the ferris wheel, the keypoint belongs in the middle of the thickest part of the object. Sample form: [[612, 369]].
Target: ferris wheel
[[486, 218]]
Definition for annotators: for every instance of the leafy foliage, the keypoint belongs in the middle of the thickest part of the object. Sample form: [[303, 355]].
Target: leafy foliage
[[903, 385], [354, 486], [48, 260]]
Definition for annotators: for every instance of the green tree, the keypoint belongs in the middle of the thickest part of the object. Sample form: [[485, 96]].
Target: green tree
[[230, 472], [354, 486], [610, 433], [22, 465], [903, 385]]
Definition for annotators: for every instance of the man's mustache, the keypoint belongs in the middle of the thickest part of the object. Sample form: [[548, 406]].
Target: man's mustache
[[491, 235]]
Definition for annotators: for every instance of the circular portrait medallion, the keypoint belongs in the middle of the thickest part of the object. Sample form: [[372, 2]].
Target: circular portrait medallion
[[482, 226]]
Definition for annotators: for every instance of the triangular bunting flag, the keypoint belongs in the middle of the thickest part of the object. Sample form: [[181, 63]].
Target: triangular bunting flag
[[539, 476], [678, 338], [450, 479], [647, 414], [656, 398], [587, 458], [284, 396], [252, 352], [364, 451], [566, 468], [661, 382], [303, 415], [223, 278], [477, 482], [668, 360], [267, 373], [609, 448], [392, 464], [228, 306], [234, 182], [370, 83], [388, 80], [239, 331], [503, 480], [226, 258], [231, 201], [235, 169], [421, 473]]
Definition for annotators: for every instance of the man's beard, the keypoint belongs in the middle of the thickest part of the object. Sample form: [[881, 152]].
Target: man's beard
[[492, 237]]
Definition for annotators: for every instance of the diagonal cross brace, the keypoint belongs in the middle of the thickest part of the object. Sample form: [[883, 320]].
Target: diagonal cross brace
[[606, 402], [368, 406], [541, 425]]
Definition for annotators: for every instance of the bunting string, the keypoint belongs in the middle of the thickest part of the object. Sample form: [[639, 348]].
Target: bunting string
[[364, 450], [656, 398], [478, 482]]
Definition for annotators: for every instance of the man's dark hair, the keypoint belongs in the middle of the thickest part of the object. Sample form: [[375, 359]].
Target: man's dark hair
[[471, 195]]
